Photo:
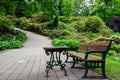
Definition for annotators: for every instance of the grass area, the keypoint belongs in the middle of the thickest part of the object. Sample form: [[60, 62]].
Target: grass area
[[113, 67]]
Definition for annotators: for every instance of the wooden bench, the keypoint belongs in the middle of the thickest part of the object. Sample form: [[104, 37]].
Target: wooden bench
[[86, 53]]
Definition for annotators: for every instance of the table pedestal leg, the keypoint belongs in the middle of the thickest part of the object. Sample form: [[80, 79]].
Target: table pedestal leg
[[52, 63]]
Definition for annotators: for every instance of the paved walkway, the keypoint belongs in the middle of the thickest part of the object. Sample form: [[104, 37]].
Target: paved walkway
[[29, 62]]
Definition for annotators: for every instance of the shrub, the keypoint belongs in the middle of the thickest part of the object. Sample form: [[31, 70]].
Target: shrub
[[112, 52], [71, 43], [41, 18], [93, 24], [116, 39], [10, 44], [79, 26], [114, 23], [5, 25], [88, 24], [116, 48], [106, 32], [62, 25], [21, 37], [56, 33], [6, 36], [4, 45], [13, 39], [22, 23], [65, 19], [15, 44]]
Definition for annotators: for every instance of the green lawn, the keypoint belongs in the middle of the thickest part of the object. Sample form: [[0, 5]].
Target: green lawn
[[113, 68]]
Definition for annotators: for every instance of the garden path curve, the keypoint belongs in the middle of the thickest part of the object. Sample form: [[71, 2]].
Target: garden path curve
[[29, 62]]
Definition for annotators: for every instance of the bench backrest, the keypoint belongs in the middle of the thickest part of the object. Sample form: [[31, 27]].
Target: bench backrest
[[95, 46]]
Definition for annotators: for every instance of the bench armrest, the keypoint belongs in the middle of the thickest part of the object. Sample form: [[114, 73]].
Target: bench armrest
[[88, 52]]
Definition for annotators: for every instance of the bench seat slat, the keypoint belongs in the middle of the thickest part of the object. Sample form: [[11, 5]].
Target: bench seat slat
[[90, 59]]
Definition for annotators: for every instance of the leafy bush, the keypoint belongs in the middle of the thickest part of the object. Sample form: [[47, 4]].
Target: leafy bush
[[65, 19], [41, 18], [6, 36], [56, 33], [112, 52], [71, 43], [79, 26], [5, 25], [88, 24], [15, 44], [116, 39], [106, 32], [22, 23], [21, 37], [4, 45], [94, 24], [10, 44], [13, 39], [116, 48]]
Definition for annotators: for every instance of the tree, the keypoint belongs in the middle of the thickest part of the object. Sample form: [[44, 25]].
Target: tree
[[82, 7], [106, 9], [67, 7]]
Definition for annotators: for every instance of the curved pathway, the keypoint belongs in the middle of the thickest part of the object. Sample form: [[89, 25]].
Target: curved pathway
[[29, 62]]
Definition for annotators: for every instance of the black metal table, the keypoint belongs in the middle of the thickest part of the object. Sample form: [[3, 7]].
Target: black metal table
[[55, 58]]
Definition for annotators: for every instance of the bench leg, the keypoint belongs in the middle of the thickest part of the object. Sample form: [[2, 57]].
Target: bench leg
[[85, 73], [73, 62], [103, 70]]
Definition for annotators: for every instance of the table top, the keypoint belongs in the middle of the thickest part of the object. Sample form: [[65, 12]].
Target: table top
[[55, 48]]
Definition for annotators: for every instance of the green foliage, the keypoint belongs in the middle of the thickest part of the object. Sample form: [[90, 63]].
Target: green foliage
[[4, 45], [2, 10], [82, 7], [67, 7], [80, 27], [15, 44], [22, 22], [19, 8], [106, 32], [20, 37], [112, 67], [65, 19], [12, 39], [71, 43], [5, 25], [6, 36], [88, 24], [112, 52], [48, 8], [116, 48], [106, 9], [10, 44], [94, 24], [116, 39], [56, 33]]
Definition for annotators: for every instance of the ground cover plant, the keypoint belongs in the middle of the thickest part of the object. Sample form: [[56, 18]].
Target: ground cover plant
[[10, 38]]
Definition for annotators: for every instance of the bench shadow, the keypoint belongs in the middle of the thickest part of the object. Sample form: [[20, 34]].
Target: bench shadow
[[95, 77]]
